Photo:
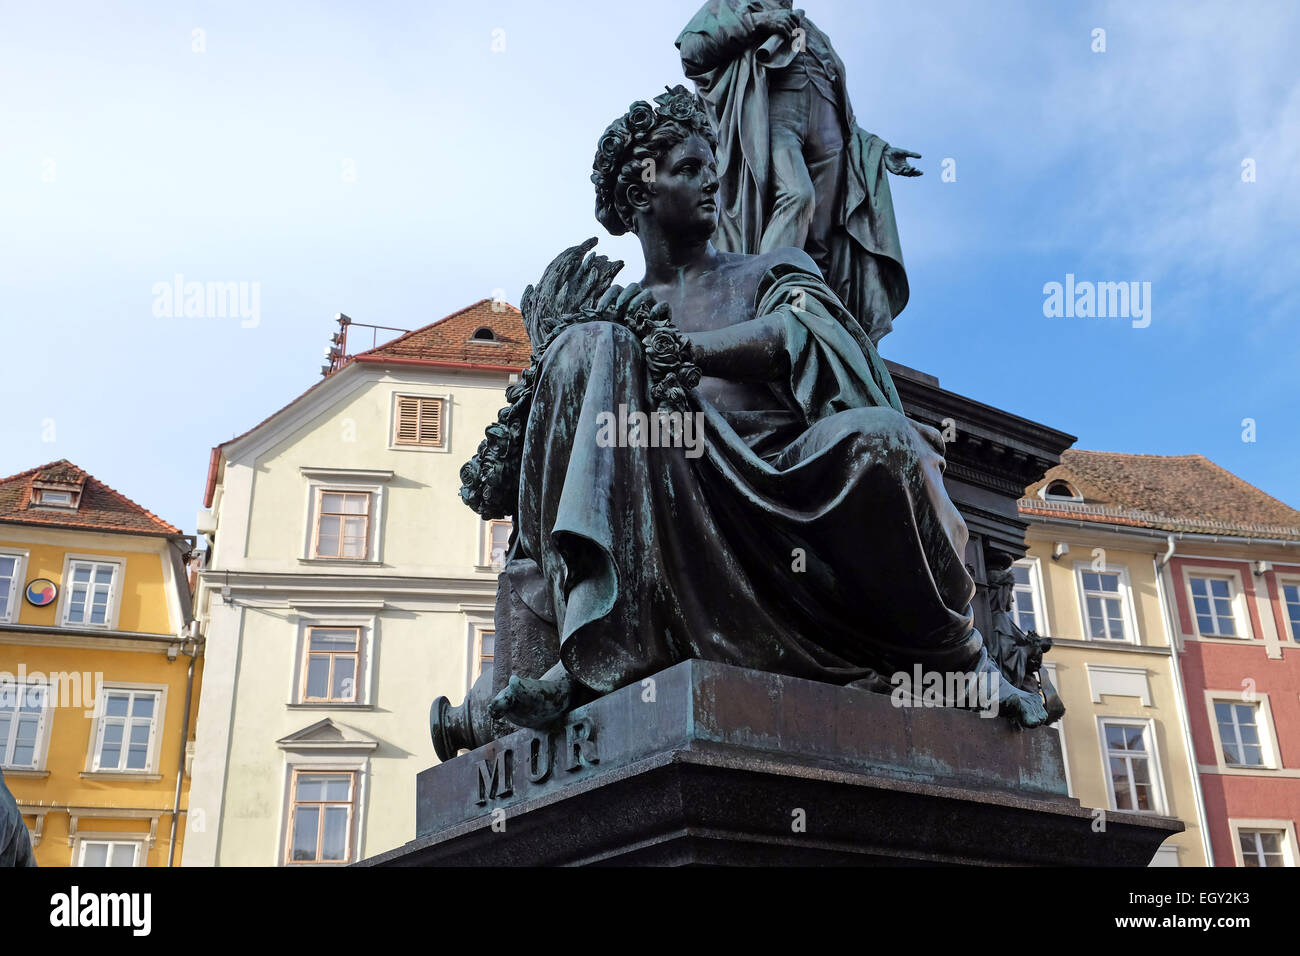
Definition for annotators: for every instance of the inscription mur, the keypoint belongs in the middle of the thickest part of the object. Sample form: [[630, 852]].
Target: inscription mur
[[571, 748]]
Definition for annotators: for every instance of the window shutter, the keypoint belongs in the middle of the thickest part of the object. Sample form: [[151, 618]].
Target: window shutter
[[430, 421], [408, 417], [419, 421]]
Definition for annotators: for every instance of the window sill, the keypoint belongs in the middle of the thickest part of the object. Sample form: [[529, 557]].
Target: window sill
[[120, 775], [23, 772], [495, 569], [329, 705], [396, 447], [341, 562]]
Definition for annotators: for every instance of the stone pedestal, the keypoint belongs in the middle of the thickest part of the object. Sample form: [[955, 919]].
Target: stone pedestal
[[711, 764]]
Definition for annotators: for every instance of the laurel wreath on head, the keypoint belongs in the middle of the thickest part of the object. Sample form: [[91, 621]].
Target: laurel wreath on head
[[567, 294]]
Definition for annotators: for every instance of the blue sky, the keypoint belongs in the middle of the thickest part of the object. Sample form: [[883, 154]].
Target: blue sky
[[126, 157]]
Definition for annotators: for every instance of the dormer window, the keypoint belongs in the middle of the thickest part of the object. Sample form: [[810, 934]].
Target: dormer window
[[55, 495], [1059, 490], [483, 334]]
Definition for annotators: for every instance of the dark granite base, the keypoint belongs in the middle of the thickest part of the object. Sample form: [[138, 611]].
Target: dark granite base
[[711, 764]]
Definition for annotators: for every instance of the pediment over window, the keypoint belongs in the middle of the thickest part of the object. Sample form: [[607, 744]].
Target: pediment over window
[[328, 734]]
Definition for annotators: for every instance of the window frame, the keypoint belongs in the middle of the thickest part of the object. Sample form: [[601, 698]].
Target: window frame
[[445, 398], [480, 632], [322, 481], [1285, 827], [342, 515], [157, 730], [41, 746], [1240, 611], [1269, 748], [1284, 581], [82, 839], [114, 595], [485, 543], [359, 673], [1128, 614], [1036, 592], [1236, 603], [1154, 763], [18, 586], [356, 775]]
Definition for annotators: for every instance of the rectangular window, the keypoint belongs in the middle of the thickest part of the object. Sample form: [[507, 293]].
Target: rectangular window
[[497, 541], [333, 660], [1103, 605], [1212, 601], [320, 824], [23, 713], [127, 726], [486, 649], [108, 853], [342, 525], [1024, 606], [1291, 598], [90, 596], [1261, 847], [419, 421], [10, 582], [1239, 733], [1128, 758]]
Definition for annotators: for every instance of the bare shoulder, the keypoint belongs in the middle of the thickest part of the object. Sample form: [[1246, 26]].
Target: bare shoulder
[[789, 255], [756, 266]]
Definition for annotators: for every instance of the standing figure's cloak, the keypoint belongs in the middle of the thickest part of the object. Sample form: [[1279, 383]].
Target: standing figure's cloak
[[720, 55]]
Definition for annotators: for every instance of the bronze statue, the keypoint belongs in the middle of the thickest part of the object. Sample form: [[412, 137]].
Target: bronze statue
[[794, 167], [811, 537]]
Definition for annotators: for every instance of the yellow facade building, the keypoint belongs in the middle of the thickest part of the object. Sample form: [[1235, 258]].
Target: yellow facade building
[[99, 670], [1092, 581]]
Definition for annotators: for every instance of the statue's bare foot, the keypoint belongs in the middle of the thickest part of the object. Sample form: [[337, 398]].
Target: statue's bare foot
[[1021, 707], [532, 702]]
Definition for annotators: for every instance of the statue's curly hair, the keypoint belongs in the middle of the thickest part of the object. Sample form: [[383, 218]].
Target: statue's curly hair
[[643, 133]]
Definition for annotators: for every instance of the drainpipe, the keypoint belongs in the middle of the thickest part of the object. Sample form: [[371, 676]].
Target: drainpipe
[[1180, 694], [192, 642]]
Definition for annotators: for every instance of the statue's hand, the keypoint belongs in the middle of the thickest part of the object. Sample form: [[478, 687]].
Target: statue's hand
[[896, 161], [629, 306], [783, 22]]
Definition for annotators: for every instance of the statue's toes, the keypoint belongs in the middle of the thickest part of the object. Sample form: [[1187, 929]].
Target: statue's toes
[[501, 705]]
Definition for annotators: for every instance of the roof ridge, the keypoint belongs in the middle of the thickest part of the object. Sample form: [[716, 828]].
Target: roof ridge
[[458, 312], [33, 470], [1126, 454], [22, 513]]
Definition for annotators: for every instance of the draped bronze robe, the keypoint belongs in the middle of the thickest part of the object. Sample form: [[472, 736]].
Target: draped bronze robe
[[730, 69], [814, 538]]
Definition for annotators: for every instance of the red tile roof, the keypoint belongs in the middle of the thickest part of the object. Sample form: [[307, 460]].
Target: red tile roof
[[1186, 493], [446, 342], [451, 339], [100, 507]]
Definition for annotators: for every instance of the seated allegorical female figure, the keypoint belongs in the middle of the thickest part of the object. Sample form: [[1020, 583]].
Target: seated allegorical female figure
[[812, 536]]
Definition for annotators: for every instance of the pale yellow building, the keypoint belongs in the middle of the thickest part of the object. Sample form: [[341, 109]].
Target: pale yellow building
[[347, 587], [1095, 588]]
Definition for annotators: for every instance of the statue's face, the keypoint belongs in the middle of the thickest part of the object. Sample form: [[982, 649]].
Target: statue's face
[[685, 200]]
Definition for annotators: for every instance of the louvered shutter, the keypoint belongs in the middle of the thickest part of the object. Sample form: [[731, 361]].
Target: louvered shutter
[[430, 421], [408, 421]]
